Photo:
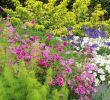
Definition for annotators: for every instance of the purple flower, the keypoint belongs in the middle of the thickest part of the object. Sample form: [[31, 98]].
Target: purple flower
[[94, 46], [70, 37], [107, 43], [92, 33], [70, 28], [102, 34]]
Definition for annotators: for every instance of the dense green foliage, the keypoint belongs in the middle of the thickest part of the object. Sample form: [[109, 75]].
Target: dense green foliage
[[56, 18]]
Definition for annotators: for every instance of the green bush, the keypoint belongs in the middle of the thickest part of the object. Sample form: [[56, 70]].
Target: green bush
[[55, 18]]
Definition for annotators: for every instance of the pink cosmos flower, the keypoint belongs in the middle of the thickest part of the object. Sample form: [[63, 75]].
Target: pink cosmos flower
[[60, 81], [69, 82], [23, 41], [24, 46], [63, 62], [27, 57], [68, 70], [11, 29], [46, 54], [70, 61], [42, 45], [88, 50], [11, 41], [89, 67]]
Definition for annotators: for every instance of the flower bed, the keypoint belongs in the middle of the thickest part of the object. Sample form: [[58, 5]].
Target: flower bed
[[37, 67]]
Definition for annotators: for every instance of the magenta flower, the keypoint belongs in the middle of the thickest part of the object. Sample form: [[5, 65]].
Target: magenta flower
[[43, 63], [24, 46], [23, 41], [60, 81], [46, 54], [69, 82], [55, 57], [49, 37], [80, 90], [60, 49], [65, 44], [17, 51]]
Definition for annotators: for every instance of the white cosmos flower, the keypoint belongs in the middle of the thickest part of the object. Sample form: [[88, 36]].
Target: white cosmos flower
[[101, 71], [97, 82], [107, 67], [78, 48], [102, 77], [95, 74]]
